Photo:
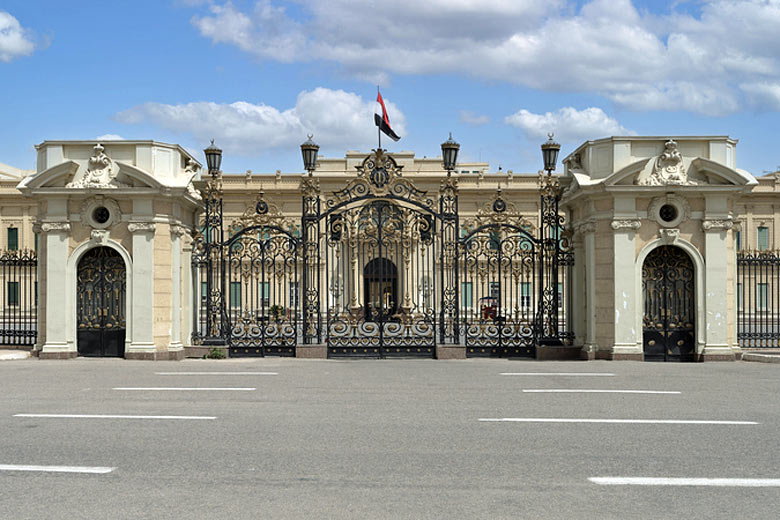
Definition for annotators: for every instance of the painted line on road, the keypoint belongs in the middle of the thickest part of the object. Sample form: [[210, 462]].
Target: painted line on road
[[583, 391], [56, 469], [216, 373], [612, 421], [107, 416], [191, 389], [716, 482], [567, 374]]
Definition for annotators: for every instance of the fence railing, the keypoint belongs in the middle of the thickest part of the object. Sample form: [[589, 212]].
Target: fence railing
[[18, 297], [758, 299]]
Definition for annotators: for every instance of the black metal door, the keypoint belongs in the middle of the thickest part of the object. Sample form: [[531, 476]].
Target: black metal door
[[101, 304], [668, 324]]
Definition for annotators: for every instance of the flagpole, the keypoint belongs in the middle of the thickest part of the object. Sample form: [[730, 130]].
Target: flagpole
[[378, 127]]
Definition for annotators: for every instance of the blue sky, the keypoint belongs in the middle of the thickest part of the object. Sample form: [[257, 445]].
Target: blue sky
[[258, 76]]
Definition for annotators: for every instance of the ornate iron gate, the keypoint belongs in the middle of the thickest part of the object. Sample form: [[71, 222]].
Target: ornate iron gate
[[101, 303], [19, 288], [758, 299], [669, 309], [381, 269]]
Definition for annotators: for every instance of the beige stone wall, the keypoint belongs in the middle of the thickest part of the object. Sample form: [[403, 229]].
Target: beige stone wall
[[162, 286], [605, 286]]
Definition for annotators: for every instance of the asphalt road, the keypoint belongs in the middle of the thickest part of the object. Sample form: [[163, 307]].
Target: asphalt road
[[386, 439]]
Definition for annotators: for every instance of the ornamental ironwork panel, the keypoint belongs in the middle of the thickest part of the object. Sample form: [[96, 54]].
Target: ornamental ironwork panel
[[19, 288], [380, 268], [669, 305], [758, 299], [100, 303]]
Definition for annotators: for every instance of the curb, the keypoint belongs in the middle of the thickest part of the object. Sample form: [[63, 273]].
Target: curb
[[760, 358], [9, 355]]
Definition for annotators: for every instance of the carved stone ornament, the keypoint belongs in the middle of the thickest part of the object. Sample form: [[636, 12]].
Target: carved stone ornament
[[177, 230], [668, 169], [669, 236], [717, 224], [626, 223], [134, 227], [586, 226], [92, 215], [101, 171], [100, 236], [191, 167], [47, 227]]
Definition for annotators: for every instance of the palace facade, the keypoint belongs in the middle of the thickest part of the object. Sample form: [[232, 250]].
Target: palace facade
[[654, 248]]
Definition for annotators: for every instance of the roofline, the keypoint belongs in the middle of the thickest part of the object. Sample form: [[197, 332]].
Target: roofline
[[104, 142], [653, 138]]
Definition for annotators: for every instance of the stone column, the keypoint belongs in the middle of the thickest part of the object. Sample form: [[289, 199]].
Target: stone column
[[142, 341], [588, 230], [175, 348], [628, 340], [717, 347], [189, 305], [58, 301]]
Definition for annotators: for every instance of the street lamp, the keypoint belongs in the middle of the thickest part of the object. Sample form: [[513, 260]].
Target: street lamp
[[213, 158], [449, 154], [550, 151], [309, 151]]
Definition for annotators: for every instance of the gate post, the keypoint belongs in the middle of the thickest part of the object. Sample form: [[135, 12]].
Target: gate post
[[212, 259], [310, 255], [550, 225], [449, 324]]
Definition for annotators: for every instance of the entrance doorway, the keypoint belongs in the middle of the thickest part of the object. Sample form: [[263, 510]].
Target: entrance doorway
[[100, 304], [380, 278], [668, 330]]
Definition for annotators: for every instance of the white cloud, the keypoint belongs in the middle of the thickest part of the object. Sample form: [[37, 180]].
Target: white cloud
[[110, 137], [15, 40], [472, 118], [338, 120], [636, 59], [569, 124]]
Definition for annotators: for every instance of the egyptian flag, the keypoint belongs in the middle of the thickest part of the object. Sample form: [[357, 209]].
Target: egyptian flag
[[382, 121]]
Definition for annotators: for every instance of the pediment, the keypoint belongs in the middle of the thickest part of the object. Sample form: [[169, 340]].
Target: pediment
[[72, 175], [687, 171]]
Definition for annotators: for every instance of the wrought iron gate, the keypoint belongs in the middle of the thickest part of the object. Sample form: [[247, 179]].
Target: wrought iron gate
[[19, 288], [381, 269], [669, 305], [758, 299], [101, 303]]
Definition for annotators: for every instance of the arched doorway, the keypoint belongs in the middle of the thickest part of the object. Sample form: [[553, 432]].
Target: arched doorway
[[668, 330], [100, 303], [380, 281]]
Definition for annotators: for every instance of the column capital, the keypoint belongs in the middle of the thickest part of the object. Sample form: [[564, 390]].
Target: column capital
[[631, 224], [135, 227], [48, 227], [721, 224]]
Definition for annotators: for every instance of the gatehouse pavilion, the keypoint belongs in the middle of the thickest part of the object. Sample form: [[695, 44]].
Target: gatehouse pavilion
[[641, 248]]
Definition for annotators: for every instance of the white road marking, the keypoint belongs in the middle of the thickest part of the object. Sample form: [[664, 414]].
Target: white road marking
[[567, 374], [582, 391], [106, 416], [612, 421], [56, 469], [717, 482], [217, 373], [197, 389]]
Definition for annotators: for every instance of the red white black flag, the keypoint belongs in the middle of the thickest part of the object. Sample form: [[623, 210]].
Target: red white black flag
[[381, 120]]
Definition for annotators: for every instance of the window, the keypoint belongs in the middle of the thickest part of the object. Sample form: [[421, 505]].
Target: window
[[13, 239], [738, 238], [264, 292], [495, 289], [12, 293], [560, 295], [466, 295], [525, 294], [495, 239], [762, 291], [293, 295], [763, 238], [235, 294]]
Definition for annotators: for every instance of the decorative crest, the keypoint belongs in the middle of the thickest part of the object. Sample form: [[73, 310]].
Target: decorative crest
[[101, 171], [668, 168]]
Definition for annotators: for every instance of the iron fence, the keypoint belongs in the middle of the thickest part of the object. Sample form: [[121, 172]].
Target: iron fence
[[19, 297], [758, 299]]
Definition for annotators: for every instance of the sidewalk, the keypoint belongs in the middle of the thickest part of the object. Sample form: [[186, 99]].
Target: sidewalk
[[8, 355]]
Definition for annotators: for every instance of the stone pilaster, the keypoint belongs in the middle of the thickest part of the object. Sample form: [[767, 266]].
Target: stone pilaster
[[626, 345], [56, 345], [142, 289]]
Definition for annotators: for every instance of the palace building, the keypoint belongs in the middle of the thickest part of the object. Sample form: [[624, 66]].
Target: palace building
[[643, 248]]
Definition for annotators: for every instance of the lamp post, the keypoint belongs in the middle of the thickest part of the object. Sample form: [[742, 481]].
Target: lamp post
[[213, 158], [550, 223], [214, 265], [449, 154], [309, 151]]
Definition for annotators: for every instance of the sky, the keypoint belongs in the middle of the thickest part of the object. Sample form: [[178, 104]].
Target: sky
[[258, 76]]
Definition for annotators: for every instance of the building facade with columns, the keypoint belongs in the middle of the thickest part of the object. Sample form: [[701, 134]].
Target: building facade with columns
[[644, 263]]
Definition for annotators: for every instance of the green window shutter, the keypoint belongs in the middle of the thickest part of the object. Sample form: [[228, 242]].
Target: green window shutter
[[235, 294], [465, 295], [12, 293], [761, 296], [763, 238], [13, 239], [738, 237]]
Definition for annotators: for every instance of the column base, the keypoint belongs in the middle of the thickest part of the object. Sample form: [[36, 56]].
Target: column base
[[717, 353], [162, 355], [311, 351], [450, 352], [57, 351]]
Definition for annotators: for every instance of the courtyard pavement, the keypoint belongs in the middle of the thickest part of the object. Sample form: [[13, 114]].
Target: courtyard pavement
[[291, 438]]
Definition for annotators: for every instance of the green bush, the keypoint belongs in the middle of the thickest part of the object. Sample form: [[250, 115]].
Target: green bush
[[215, 353]]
